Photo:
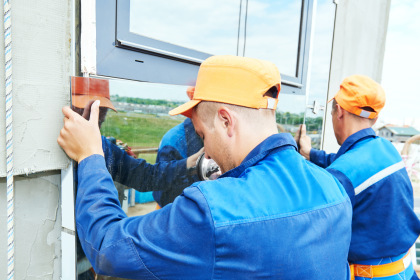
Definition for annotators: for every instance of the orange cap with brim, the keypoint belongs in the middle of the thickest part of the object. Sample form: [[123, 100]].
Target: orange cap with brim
[[234, 80], [360, 91], [85, 89]]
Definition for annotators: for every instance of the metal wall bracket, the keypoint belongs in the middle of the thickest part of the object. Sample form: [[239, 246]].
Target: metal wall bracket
[[316, 107]]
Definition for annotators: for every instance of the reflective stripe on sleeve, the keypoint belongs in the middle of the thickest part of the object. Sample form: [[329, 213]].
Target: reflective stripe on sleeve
[[379, 176]]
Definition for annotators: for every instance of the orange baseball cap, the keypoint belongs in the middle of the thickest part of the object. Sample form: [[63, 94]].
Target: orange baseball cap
[[360, 91], [234, 80], [85, 89]]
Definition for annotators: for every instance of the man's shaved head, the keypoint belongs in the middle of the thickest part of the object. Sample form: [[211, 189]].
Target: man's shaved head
[[206, 111]]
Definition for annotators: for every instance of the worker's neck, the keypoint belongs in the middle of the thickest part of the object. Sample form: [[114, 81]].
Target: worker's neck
[[248, 140], [352, 126]]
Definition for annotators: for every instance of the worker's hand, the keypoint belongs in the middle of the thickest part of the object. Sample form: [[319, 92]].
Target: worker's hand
[[80, 138], [304, 141], [192, 160], [86, 111]]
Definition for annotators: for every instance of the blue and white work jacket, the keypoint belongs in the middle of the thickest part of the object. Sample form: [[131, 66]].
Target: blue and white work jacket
[[178, 143], [384, 224], [275, 216]]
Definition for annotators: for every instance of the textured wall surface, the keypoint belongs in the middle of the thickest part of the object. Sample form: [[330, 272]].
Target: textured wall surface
[[358, 48], [37, 226], [41, 70]]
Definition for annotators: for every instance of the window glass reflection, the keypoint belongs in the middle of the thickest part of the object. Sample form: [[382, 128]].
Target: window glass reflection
[[264, 29], [290, 112], [206, 26], [320, 69], [136, 128], [272, 32]]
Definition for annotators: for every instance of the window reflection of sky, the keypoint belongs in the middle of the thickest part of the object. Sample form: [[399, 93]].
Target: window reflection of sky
[[272, 34], [212, 27], [321, 56], [124, 88], [207, 26], [321, 53]]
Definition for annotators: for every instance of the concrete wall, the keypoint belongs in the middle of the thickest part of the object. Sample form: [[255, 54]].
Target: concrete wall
[[37, 227], [358, 48], [41, 35], [41, 70]]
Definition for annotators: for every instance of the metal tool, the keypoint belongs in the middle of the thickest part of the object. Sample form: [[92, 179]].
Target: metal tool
[[316, 107], [207, 169]]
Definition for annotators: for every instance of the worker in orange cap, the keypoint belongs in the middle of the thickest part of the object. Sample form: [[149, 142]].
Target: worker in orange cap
[[371, 170], [271, 215]]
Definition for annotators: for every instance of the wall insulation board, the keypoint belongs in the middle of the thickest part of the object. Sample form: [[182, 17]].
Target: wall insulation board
[[358, 48], [37, 227], [41, 84]]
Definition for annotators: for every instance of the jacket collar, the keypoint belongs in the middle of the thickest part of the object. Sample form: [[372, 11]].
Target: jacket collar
[[354, 138], [266, 147]]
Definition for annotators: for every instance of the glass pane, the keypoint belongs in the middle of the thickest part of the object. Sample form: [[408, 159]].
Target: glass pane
[[272, 32], [320, 69], [206, 26], [133, 120], [290, 112]]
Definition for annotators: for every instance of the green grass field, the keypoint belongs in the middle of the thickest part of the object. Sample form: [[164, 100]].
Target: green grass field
[[138, 130]]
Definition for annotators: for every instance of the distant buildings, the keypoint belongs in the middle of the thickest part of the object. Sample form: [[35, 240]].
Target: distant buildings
[[396, 133], [142, 108]]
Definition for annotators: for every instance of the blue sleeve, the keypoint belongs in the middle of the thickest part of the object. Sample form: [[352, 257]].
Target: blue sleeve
[[140, 175], [176, 242], [167, 153], [321, 158], [345, 181]]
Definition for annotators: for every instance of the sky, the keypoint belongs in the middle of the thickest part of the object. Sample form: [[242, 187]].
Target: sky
[[401, 71], [272, 35]]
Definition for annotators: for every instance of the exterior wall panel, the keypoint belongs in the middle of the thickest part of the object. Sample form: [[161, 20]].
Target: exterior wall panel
[[358, 48], [41, 84]]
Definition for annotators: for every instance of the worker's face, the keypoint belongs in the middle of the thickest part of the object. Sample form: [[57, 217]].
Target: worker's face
[[217, 144]]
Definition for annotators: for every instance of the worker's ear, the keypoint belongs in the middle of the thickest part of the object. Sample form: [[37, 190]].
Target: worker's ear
[[227, 120], [340, 112]]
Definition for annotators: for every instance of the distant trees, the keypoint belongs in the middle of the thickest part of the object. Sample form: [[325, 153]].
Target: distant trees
[[287, 118], [145, 101]]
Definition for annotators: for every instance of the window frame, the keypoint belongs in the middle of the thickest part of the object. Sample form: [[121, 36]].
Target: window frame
[[126, 55]]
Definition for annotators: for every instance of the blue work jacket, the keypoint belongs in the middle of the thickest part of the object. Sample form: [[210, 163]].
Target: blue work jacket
[[275, 216], [384, 224], [140, 175], [178, 143]]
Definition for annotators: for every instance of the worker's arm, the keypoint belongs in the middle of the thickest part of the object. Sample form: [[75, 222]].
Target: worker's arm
[[169, 153], [175, 242], [140, 175], [320, 158]]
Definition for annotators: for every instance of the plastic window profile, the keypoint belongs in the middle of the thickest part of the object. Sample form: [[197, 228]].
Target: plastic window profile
[[125, 40]]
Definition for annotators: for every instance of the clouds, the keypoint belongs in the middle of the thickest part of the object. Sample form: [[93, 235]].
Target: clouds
[[207, 26], [401, 71], [272, 34], [125, 88], [212, 27]]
